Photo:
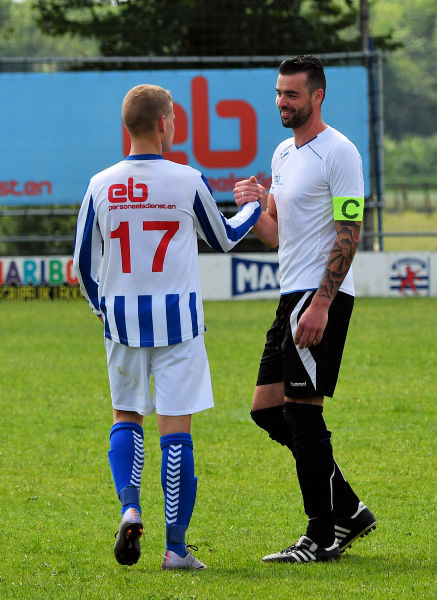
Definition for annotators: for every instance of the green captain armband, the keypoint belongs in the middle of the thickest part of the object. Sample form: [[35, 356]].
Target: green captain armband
[[348, 208]]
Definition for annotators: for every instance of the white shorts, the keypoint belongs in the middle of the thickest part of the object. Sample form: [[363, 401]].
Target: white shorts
[[181, 378]]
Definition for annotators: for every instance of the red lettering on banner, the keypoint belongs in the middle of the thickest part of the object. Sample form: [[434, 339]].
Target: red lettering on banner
[[227, 184], [71, 277], [45, 184], [13, 185], [225, 108], [30, 188], [8, 187]]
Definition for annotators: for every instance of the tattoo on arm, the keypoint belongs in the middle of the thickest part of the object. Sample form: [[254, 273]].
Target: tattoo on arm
[[340, 259]]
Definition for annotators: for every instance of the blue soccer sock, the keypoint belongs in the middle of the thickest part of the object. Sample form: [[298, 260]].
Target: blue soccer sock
[[179, 486], [126, 457]]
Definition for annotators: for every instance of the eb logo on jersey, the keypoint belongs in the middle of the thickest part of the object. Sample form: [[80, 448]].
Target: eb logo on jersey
[[119, 192]]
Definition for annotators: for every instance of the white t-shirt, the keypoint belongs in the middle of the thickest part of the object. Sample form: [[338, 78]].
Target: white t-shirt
[[304, 182], [136, 248]]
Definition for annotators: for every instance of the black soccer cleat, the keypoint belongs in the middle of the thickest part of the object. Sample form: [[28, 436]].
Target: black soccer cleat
[[127, 547], [303, 551], [350, 529]]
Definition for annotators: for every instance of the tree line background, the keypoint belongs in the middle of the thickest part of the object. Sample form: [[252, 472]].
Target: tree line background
[[406, 32]]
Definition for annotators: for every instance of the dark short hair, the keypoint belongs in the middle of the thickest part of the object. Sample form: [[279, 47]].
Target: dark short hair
[[306, 63]]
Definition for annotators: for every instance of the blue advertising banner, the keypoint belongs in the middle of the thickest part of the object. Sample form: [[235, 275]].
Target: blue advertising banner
[[58, 129]]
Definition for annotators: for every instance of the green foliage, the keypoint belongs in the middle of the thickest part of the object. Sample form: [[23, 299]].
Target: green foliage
[[5, 13], [410, 77], [20, 35], [412, 159], [203, 27], [37, 225], [59, 513]]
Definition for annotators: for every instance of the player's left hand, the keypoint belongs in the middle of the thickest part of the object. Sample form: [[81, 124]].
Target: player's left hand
[[249, 190]]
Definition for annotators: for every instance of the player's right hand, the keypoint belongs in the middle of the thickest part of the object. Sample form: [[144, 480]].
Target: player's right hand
[[312, 323], [249, 190]]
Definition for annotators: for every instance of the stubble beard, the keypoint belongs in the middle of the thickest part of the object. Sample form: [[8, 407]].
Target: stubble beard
[[298, 118]]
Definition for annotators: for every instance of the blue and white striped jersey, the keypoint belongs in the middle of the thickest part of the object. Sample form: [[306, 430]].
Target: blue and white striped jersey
[[135, 251]]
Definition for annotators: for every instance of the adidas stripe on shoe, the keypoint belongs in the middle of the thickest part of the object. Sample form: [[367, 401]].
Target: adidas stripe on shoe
[[127, 547], [358, 525], [303, 551]]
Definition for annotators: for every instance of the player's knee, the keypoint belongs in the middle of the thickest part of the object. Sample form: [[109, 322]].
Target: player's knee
[[272, 420], [306, 425]]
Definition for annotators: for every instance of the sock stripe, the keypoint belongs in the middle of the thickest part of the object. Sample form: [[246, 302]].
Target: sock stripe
[[138, 460], [173, 478]]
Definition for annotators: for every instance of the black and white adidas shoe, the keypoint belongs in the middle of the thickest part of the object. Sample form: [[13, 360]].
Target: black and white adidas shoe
[[305, 550], [358, 525]]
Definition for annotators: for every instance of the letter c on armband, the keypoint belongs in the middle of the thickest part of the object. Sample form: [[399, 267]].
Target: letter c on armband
[[348, 209]]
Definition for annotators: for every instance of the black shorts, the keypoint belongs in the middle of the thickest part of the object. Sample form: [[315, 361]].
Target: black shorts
[[311, 371]]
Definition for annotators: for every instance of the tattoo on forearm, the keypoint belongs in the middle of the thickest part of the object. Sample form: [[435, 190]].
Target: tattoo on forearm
[[340, 259]]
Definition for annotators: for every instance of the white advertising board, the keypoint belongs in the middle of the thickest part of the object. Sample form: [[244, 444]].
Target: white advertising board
[[243, 276]]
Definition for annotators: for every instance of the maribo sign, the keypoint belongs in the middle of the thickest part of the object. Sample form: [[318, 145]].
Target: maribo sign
[[58, 129], [230, 276], [38, 278]]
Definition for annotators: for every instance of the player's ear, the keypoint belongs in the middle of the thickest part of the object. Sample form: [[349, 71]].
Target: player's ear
[[161, 124], [318, 96]]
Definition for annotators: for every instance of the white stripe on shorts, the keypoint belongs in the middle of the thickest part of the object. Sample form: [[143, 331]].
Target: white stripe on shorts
[[305, 355]]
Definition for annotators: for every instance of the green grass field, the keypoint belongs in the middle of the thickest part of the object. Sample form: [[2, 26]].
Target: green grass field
[[410, 221], [58, 507]]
